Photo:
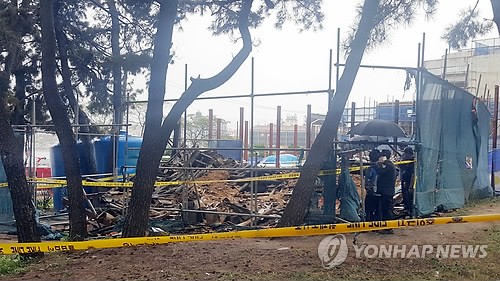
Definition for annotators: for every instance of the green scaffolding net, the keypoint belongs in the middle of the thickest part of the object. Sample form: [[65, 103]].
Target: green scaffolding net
[[6, 212], [453, 132]]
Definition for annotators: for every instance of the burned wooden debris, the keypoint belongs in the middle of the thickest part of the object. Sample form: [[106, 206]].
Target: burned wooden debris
[[210, 200]]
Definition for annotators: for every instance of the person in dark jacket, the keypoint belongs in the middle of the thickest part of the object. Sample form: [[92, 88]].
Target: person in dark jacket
[[407, 178], [372, 198], [386, 182]]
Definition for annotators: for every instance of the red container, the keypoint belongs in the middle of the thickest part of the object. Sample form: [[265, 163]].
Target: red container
[[43, 172]]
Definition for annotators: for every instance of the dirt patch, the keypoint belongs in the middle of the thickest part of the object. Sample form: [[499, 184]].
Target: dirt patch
[[283, 259]]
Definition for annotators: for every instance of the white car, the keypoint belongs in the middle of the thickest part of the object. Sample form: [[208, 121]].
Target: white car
[[286, 161]]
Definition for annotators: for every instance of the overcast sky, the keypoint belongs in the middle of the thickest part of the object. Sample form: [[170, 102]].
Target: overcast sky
[[287, 60]]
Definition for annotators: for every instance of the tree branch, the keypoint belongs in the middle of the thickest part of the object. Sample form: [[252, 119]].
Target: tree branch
[[201, 85]]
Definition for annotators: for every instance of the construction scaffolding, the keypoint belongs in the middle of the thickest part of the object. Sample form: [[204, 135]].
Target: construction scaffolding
[[195, 161]]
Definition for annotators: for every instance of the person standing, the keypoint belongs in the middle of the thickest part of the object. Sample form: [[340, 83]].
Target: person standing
[[386, 182], [407, 171], [372, 198]]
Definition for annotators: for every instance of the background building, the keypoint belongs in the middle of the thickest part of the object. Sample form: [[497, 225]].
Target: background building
[[475, 70]]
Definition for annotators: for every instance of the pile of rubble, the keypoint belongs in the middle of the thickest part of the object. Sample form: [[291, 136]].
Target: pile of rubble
[[214, 200]]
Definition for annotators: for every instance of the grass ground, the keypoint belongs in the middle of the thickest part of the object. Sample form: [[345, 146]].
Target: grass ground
[[282, 259], [11, 265]]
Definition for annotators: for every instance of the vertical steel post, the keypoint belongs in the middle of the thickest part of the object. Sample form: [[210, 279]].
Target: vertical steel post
[[308, 126], [253, 159], [488, 98], [396, 118], [353, 116], [295, 136], [445, 66], [185, 112], [495, 136], [330, 91], [278, 135], [337, 65], [185, 187], [77, 115], [422, 63], [125, 156], [337, 74], [242, 125], [364, 109], [210, 124], [252, 106], [271, 134], [417, 169], [478, 84], [219, 128], [466, 82], [245, 142], [32, 172]]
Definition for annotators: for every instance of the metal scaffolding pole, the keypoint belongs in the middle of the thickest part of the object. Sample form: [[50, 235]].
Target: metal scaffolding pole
[[80, 125], [247, 95], [278, 136], [250, 141], [126, 193], [210, 124], [185, 175], [420, 64], [330, 91], [270, 139], [337, 73], [32, 160], [253, 189], [308, 127]]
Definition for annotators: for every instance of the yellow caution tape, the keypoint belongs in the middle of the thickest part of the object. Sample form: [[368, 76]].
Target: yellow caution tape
[[100, 183], [112, 177], [39, 186], [48, 180], [48, 186], [323, 229]]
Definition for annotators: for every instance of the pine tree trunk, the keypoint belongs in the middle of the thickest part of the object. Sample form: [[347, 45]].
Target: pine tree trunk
[[155, 141], [296, 209], [62, 125], [88, 159], [137, 218], [11, 154]]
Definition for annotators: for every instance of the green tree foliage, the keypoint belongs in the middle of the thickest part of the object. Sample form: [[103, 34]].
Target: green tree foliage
[[86, 26], [468, 26], [390, 16]]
